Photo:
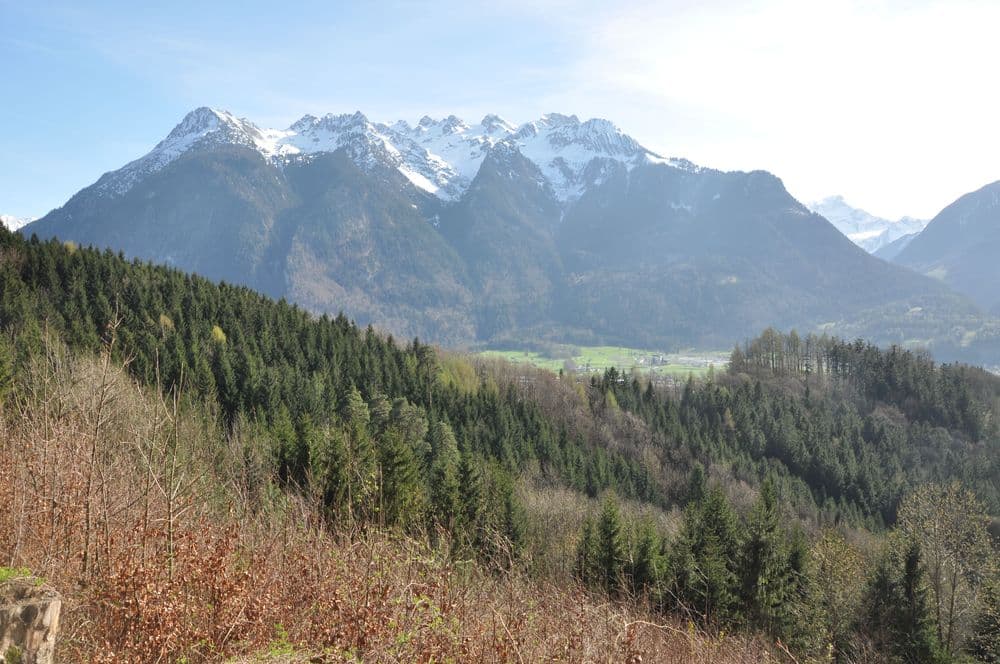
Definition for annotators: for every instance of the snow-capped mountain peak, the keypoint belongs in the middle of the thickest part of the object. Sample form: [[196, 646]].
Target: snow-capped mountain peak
[[201, 126], [13, 223], [439, 156], [869, 232], [494, 124]]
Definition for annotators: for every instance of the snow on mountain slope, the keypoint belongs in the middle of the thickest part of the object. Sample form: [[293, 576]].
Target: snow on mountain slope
[[869, 232], [13, 223], [439, 156]]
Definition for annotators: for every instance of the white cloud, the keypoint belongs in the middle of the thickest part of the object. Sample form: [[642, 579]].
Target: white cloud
[[892, 104]]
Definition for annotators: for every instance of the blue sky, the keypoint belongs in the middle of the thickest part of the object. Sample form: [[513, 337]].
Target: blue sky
[[891, 104]]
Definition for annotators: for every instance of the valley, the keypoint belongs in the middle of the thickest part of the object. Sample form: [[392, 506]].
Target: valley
[[598, 359]]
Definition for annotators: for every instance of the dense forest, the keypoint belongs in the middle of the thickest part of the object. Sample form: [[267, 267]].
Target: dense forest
[[833, 497], [853, 428]]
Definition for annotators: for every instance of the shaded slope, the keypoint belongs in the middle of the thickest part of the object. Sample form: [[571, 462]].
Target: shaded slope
[[960, 246], [712, 256]]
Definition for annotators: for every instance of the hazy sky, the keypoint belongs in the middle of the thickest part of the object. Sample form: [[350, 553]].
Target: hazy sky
[[895, 105]]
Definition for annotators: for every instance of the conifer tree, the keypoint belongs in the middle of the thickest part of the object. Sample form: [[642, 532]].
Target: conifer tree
[[696, 483], [6, 365], [915, 638], [646, 568], [585, 566], [446, 497], [402, 499], [763, 563], [472, 497], [328, 468], [284, 443], [704, 559], [881, 602], [610, 545], [361, 455]]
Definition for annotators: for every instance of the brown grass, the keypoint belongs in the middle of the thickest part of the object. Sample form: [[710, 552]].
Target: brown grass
[[169, 544]]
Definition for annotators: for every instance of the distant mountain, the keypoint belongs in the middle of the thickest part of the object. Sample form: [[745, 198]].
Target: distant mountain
[[888, 252], [469, 233], [13, 223], [961, 246], [869, 232]]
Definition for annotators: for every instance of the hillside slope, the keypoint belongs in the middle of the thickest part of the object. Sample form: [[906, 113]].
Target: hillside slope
[[215, 415], [960, 246]]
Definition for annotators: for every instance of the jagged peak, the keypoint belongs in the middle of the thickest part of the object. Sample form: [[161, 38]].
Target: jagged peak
[[453, 124], [202, 120], [558, 120], [600, 125], [493, 123], [441, 156], [306, 121], [355, 119]]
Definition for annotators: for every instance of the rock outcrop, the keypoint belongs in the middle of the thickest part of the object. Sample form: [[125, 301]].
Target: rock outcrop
[[29, 621]]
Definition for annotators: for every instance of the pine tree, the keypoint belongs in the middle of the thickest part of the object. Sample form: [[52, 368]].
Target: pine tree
[[897, 616], [401, 499], [361, 455], [880, 604], [471, 533], [328, 468], [696, 484], [610, 546], [6, 365], [645, 572], [763, 564], [704, 559], [446, 497], [915, 635], [585, 566]]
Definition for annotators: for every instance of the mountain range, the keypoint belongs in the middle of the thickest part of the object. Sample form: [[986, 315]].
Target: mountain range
[[495, 233], [869, 232]]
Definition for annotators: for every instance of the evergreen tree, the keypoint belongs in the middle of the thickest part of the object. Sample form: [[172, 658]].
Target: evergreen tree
[[471, 535], [329, 469], [446, 496], [510, 522], [361, 455], [881, 602], [704, 559], [6, 366], [585, 565], [915, 635], [610, 546], [764, 573], [696, 484], [401, 498], [645, 572], [284, 443]]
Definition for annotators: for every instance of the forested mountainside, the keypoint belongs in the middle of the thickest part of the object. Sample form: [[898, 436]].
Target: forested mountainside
[[780, 463], [960, 245], [560, 229]]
